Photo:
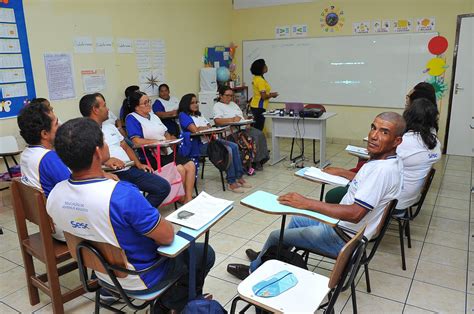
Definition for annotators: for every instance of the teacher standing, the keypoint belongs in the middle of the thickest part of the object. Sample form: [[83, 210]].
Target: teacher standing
[[261, 93]]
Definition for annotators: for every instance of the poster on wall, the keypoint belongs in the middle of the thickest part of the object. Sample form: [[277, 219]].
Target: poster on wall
[[59, 75], [402, 25], [124, 45], [104, 44], [332, 19], [381, 26], [93, 80], [83, 44], [149, 80], [282, 31], [16, 75], [425, 24], [361, 27], [299, 30]]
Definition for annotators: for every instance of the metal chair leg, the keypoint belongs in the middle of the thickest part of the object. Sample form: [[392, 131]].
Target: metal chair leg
[[402, 245], [367, 278], [354, 300], [407, 232], [234, 304], [222, 181], [202, 171]]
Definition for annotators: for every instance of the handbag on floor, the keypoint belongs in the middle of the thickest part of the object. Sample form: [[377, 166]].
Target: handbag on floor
[[170, 173]]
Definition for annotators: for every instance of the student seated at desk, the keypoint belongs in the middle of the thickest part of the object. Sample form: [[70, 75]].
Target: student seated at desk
[[124, 111], [227, 111], [144, 127], [191, 121], [166, 108], [375, 185], [93, 106], [118, 214], [419, 151]]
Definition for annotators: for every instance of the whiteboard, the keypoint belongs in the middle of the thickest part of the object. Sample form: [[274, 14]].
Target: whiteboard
[[363, 70]]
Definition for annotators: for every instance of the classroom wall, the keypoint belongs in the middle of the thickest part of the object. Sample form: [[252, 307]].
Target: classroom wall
[[187, 27], [351, 123]]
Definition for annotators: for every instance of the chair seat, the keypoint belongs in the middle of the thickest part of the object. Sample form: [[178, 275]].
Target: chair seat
[[138, 295], [35, 247], [305, 297]]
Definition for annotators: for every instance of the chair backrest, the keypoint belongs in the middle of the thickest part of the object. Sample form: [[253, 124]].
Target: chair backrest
[[424, 191], [30, 204], [94, 256], [382, 227], [344, 259], [8, 144]]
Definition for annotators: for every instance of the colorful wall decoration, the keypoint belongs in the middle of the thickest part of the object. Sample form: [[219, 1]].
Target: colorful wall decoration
[[332, 19]]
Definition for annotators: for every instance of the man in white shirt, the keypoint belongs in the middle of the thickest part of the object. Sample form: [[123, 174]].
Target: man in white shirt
[[375, 185], [94, 107]]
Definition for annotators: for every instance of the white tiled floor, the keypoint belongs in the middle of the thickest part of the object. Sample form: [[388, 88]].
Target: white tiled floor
[[440, 264]]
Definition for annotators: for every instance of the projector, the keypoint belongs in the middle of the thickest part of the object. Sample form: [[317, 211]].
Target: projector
[[311, 113]]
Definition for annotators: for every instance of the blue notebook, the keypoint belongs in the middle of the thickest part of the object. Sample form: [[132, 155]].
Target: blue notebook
[[268, 202]]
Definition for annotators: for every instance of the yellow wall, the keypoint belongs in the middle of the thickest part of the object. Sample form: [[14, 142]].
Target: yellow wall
[[351, 122], [187, 27]]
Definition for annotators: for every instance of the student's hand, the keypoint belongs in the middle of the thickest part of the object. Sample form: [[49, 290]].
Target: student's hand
[[274, 94], [333, 170], [144, 167], [114, 163], [174, 112], [294, 199], [236, 119], [111, 176]]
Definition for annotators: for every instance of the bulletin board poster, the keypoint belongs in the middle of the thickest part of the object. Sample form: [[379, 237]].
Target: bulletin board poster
[[16, 75]]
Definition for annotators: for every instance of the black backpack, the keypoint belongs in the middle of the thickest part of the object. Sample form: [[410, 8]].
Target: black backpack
[[219, 154], [286, 255]]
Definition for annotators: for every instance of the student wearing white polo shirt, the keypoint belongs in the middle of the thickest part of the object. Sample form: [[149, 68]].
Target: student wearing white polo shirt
[[226, 111], [375, 185], [94, 106], [97, 209], [166, 108]]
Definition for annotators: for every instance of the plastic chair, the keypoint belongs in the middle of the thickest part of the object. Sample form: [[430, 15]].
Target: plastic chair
[[311, 289], [308, 106], [29, 204], [404, 216], [108, 259]]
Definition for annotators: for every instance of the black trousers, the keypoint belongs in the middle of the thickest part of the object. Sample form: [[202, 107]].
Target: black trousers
[[258, 117]]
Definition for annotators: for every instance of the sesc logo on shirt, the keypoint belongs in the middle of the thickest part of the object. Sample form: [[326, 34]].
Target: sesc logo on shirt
[[433, 156], [79, 223]]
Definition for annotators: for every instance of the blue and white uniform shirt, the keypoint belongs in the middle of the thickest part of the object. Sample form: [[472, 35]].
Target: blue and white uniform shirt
[[376, 184], [113, 212]]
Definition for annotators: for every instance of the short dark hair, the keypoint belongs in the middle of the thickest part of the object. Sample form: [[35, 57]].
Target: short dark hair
[[223, 89], [422, 117], [396, 119], [134, 101], [423, 90], [39, 100], [257, 67], [164, 85], [125, 103], [86, 104], [33, 119], [76, 141], [185, 105]]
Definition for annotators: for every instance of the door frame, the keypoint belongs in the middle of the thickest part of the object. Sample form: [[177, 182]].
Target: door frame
[[453, 77]]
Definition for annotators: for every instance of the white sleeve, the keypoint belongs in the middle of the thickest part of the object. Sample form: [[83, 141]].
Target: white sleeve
[[373, 186], [238, 110], [218, 112]]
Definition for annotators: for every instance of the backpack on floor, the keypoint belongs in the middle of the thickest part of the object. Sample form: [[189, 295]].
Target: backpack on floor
[[218, 154], [204, 306], [286, 255]]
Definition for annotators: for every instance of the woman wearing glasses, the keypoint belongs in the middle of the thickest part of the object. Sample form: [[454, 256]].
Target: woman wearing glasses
[[191, 120], [144, 127], [227, 111]]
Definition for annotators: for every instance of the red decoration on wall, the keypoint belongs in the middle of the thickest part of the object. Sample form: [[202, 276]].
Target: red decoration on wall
[[438, 45]]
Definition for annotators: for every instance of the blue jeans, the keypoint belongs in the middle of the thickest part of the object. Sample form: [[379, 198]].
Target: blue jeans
[[156, 187], [305, 233], [235, 170]]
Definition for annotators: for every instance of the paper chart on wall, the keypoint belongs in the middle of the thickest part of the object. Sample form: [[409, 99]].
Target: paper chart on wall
[[142, 46], [157, 46], [11, 61], [14, 90], [143, 61], [425, 24], [402, 25], [93, 80], [7, 15], [157, 60], [104, 44], [361, 27], [381, 26], [10, 46], [12, 75], [8, 31], [150, 79], [124, 45], [83, 44], [59, 75]]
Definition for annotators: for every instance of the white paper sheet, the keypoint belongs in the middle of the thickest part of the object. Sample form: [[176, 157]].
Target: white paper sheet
[[12, 75], [157, 60], [11, 61], [149, 80], [93, 80], [14, 90], [104, 44], [319, 175], [142, 46], [143, 61], [10, 46], [83, 44], [7, 15], [59, 75], [157, 46], [199, 212], [124, 45], [8, 31]]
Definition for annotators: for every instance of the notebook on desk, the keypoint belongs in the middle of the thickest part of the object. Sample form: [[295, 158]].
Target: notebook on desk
[[268, 203], [317, 174]]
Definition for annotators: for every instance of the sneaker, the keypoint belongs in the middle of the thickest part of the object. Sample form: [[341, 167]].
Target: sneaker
[[108, 296]]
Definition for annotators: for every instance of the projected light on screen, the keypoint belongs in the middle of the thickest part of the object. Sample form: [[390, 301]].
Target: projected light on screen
[[346, 82], [347, 63]]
